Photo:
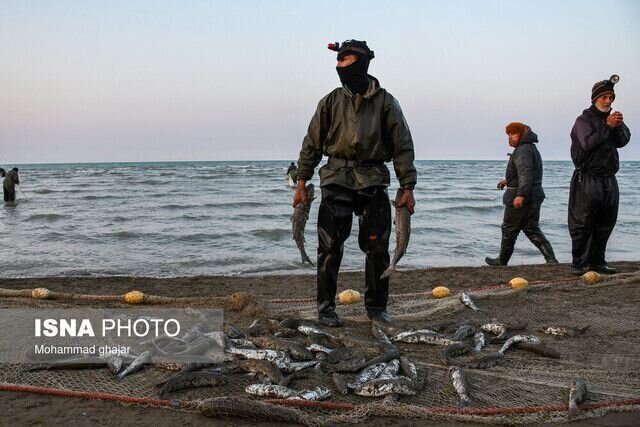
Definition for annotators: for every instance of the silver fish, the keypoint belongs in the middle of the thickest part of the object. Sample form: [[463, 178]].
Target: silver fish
[[497, 329], [427, 338], [391, 370], [541, 349], [478, 341], [459, 381], [299, 221], [379, 334], [403, 232], [408, 368], [369, 373], [453, 350], [270, 390], [466, 300], [114, 363], [296, 350], [299, 366], [136, 365], [463, 332], [193, 379], [517, 339], [278, 358], [400, 335], [258, 366], [242, 342], [562, 331], [383, 387], [319, 348], [577, 394], [307, 330], [318, 393]]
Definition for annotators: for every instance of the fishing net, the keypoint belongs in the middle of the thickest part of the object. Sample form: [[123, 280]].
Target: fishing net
[[525, 388]]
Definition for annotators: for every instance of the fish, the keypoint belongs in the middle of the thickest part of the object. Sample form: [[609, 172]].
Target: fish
[[427, 338], [484, 362], [459, 381], [258, 366], [195, 332], [453, 350], [391, 370], [193, 379], [562, 331], [577, 394], [299, 366], [478, 341], [403, 232], [318, 393], [270, 390], [296, 350], [317, 348], [383, 387], [541, 349], [400, 335], [339, 382], [463, 332], [497, 329], [308, 330], [519, 338], [299, 221], [390, 354], [353, 364], [339, 354], [232, 332], [369, 373], [466, 300], [379, 334], [136, 365], [278, 358], [408, 368], [287, 380]]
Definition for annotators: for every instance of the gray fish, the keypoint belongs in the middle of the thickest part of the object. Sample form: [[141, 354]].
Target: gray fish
[[278, 358], [459, 381], [466, 300], [478, 341], [296, 350], [270, 390], [258, 366], [497, 329], [403, 232], [193, 379], [114, 362], [232, 332], [484, 362], [562, 331], [453, 350], [353, 364], [391, 370], [136, 365], [299, 221], [427, 338], [517, 339], [299, 366], [369, 373], [318, 393], [339, 382], [408, 368], [540, 349], [308, 330], [379, 334], [319, 348], [343, 353], [383, 387], [463, 332], [289, 378], [577, 394], [401, 334]]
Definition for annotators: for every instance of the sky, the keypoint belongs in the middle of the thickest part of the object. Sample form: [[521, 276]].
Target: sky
[[90, 81]]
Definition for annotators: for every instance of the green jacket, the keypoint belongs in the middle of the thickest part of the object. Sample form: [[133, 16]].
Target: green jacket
[[370, 129]]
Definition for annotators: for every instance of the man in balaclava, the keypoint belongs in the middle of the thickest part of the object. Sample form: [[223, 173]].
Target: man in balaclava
[[523, 197], [360, 127], [593, 195]]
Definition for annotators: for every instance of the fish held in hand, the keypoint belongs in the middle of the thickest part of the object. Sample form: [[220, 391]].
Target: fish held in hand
[[403, 232], [299, 222]]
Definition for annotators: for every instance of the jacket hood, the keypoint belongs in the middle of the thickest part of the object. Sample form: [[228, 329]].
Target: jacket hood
[[529, 136]]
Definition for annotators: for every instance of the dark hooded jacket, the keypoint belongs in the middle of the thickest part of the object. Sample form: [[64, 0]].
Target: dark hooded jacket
[[594, 145], [367, 128], [11, 179], [524, 171]]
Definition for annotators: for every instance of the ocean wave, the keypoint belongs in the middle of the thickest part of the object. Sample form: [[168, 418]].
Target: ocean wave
[[49, 217], [462, 209], [43, 191], [272, 234]]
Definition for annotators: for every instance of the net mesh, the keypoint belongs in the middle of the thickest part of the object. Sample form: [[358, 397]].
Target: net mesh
[[525, 388]]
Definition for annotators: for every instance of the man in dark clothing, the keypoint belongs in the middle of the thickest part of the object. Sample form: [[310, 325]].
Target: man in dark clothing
[[593, 195], [523, 197], [9, 185], [293, 172], [360, 126]]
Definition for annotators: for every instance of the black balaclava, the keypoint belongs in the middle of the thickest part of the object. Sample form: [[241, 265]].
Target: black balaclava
[[354, 76]]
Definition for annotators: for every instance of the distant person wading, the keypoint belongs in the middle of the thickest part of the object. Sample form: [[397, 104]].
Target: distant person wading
[[360, 126], [523, 196], [9, 183]]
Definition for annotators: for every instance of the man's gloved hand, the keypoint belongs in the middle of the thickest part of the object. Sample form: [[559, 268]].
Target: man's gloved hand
[[301, 194], [502, 184], [408, 201], [615, 119], [518, 202]]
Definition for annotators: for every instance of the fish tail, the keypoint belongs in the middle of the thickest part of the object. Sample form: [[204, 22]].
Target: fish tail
[[464, 403], [573, 409], [305, 257], [388, 272]]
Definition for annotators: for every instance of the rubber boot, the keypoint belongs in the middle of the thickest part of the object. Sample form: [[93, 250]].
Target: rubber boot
[[547, 251], [506, 250]]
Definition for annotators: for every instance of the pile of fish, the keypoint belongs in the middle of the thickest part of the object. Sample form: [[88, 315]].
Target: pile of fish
[[278, 354]]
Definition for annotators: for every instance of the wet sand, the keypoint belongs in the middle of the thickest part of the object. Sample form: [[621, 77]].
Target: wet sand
[[32, 409]]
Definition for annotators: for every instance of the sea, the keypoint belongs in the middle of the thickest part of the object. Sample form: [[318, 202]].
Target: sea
[[171, 219]]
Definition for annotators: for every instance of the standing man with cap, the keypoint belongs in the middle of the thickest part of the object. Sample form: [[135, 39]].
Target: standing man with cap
[[359, 126], [593, 195], [523, 197]]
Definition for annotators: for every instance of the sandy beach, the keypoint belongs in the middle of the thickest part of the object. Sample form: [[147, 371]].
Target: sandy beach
[[32, 409]]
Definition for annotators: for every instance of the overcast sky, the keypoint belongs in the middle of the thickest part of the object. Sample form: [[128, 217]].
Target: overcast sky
[[85, 81]]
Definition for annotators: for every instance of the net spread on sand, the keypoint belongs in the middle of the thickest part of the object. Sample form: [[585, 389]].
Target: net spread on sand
[[525, 388]]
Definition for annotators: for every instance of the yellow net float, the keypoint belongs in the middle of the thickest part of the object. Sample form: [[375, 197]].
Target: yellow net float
[[349, 297], [591, 278], [440, 292], [518, 282], [134, 297], [41, 293]]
